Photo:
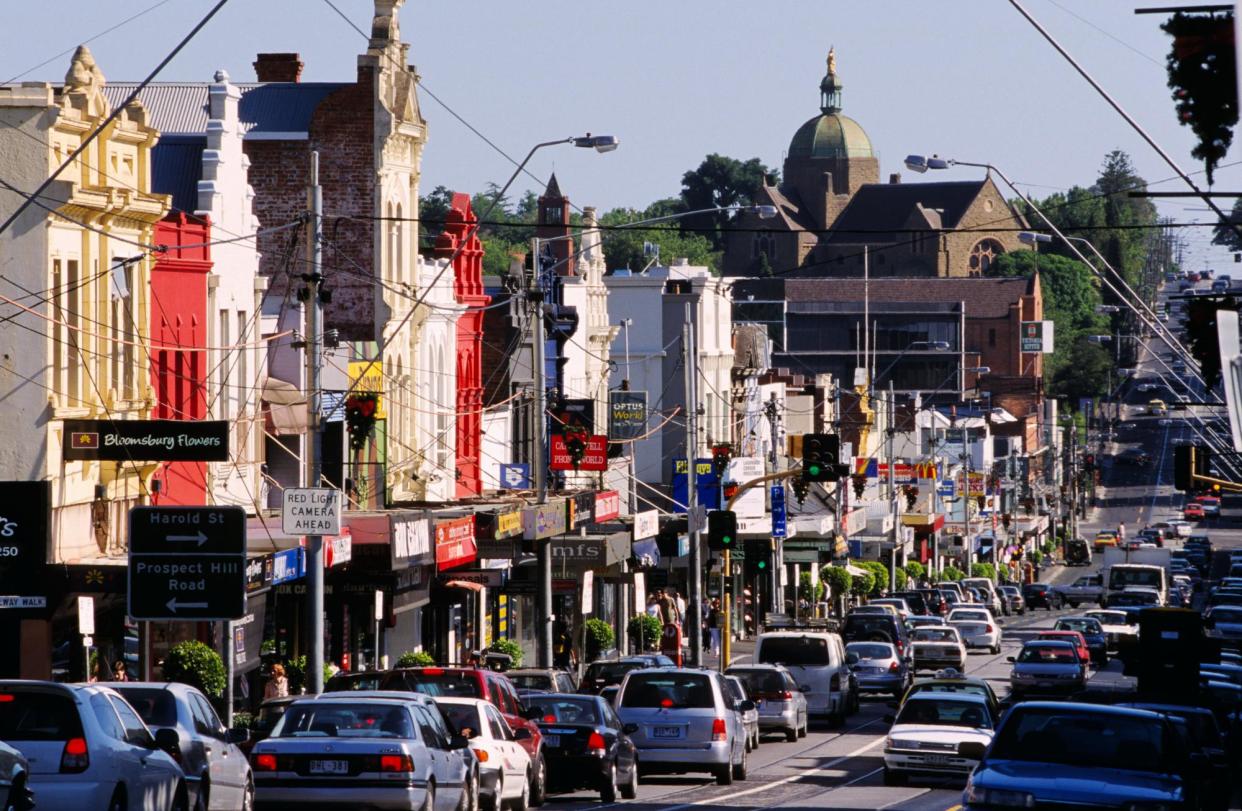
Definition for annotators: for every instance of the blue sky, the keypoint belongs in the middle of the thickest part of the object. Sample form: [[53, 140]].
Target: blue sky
[[677, 80]]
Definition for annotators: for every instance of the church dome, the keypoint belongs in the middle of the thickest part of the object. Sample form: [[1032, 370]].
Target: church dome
[[830, 134]]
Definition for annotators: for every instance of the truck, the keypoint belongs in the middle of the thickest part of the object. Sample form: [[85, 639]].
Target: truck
[[1124, 568]]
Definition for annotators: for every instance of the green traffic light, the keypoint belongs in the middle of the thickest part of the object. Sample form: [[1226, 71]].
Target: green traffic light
[[726, 539], [813, 470], [763, 564]]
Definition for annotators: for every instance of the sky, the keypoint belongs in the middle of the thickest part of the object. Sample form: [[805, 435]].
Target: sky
[[675, 81]]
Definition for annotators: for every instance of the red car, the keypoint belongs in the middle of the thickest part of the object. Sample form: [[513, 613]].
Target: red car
[[1076, 637], [1193, 512]]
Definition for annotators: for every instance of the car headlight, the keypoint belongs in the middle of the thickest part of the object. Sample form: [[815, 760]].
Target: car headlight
[[1022, 676], [900, 743], [976, 795]]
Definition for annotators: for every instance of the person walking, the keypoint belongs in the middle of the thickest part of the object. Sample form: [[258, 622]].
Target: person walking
[[563, 654], [714, 621], [277, 683]]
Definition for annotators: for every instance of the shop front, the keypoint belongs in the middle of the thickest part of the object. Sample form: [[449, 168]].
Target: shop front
[[927, 535], [451, 621], [498, 534], [539, 523]]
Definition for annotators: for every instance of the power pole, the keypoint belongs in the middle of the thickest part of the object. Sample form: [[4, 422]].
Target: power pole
[[543, 551], [314, 438], [772, 411], [694, 604], [892, 486]]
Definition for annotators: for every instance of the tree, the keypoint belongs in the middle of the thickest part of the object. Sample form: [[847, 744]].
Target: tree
[[599, 637], [415, 658], [915, 569], [838, 579], [645, 631], [1084, 372], [433, 209], [1229, 233], [1200, 326], [624, 247], [720, 181], [509, 647], [860, 584], [1071, 290], [196, 664]]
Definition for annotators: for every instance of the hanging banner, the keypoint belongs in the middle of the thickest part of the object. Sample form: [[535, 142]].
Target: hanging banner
[[455, 543], [627, 414]]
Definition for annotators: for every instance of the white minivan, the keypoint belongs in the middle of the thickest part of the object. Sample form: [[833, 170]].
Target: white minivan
[[816, 660]]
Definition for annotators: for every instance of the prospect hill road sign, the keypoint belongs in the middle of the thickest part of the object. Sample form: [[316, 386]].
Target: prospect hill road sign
[[187, 563]]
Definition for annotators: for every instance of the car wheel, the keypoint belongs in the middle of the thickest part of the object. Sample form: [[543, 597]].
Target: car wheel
[[893, 777], [791, 734], [204, 793], [20, 798], [630, 790], [429, 797], [806, 727], [117, 803], [539, 786], [724, 775], [248, 797], [608, 793], [181, 799], [522, 801], [996, 649], [739, 771], [469, 793]]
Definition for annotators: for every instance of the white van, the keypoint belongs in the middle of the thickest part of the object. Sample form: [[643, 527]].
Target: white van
[[816, 659], [988, 588]]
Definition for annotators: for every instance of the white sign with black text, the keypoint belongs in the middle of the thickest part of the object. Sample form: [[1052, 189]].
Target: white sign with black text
[[311, 511]]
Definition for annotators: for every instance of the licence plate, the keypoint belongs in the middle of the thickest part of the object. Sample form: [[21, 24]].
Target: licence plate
[[553, 741], [936, 759], [666, 732], [329, 767]]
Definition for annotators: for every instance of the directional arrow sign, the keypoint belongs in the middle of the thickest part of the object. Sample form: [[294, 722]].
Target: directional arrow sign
[[187, 563]]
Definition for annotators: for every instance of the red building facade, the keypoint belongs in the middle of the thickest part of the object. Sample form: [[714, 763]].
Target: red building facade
[[468, 289], [179, 345]]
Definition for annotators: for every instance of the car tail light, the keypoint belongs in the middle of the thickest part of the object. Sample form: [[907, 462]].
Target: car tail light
[[75, 757], [719, 733], [780, 695], [596, 745], [264, 763], [988, 629], [481, 754], [6, 698], [549, 719], [396, 763], [433, 671], [892, 666]]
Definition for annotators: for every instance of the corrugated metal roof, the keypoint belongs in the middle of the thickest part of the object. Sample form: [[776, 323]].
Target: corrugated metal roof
[[181, 107], [176, 168]]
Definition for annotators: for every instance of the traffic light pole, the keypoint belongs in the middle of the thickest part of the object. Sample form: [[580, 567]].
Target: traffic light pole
[[694, 603]]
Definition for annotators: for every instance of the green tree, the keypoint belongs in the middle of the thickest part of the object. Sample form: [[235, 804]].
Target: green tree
[[1200, 326], [983, 570], [433, 208], [645, 631], [508, 646], [951, 574], [415, 658], [1084, 371], [860, 584], [915, 569], [599, 637], [195, 664], [720, 181], [838, 579], [624, 247], [805, 591], [1229, 233]]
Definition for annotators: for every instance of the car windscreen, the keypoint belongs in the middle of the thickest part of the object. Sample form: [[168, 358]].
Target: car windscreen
[[1047, 655], [37, 716], [949, 687], [1084, 626], [462, 718], [1120, 578], [968, 616], [801, 650], [531, 681], [870, 650], [341, 720], [354, 681], [762, 681], [1085, 739], [933, 634], [456, 685], [612, 672], [668, 690], [944, 712], [1225, 614], [564, 710], [154, 705]]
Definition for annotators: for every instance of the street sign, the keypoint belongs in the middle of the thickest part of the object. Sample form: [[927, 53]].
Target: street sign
[[86, 615], [627, 414], [588, 591], [515, 476], [777, 494], [311, 511], [594, 454], [147, 440], [945, 488], [187, 563]]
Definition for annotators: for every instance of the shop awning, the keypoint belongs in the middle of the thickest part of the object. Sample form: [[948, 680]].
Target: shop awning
[[854, 570], [464, 584], [287, 411]]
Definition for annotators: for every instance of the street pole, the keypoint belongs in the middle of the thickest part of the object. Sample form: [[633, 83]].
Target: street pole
[[543, 602], [892, 487], [778, 555], [694, 605], [314, 443]]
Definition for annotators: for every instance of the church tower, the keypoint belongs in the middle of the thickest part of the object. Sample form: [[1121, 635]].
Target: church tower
[[554, 224]]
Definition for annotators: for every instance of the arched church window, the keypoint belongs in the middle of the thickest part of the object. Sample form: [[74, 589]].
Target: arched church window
[[983, 255]]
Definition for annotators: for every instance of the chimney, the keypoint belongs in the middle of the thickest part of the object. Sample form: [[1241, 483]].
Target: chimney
[[286, 67], [895, 177]]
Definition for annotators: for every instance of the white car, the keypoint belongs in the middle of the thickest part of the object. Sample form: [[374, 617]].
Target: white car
[[927, 731], [1116, 630], [504, 766], [979, 629], [15, 780], [1182, 528], [937, 646], [89, 749]]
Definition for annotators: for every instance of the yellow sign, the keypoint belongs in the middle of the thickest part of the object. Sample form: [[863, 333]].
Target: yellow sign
[[368, 376], [509, 525]]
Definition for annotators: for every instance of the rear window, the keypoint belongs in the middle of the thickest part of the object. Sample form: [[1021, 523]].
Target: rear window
[[32, 716], [321, 720], [763, 681], [935, 634], [462, 718], [531, 681], [944, 712], [865, 650], [668, 690], [565, 710], [1047, 655], [609, 671], [863, 625], [455, 685], [268, 716], [154, 706], [797, 651]]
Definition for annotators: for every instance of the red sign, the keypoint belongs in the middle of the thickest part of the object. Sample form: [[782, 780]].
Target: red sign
[[455, 544], [607, 506], [594, 455]]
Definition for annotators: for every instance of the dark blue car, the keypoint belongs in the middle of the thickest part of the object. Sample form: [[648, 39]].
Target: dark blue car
[[1063, 754]]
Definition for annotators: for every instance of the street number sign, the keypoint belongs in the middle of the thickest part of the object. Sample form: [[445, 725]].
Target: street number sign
[[187, 563]]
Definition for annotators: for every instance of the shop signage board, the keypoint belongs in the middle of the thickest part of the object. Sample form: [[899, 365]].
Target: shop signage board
[[338, 549], [646, 524], [498, 526], [579, 510], [455, 543], [146, 440], [575, 549], [1036, 336], [706, 480], [311, 511], [741, 470], [544, 520], [258, 573], [288, 564], [411, 541], [488, 578], [594, 457], [187, 563], [25, 535], [627, 414], [607, 506], [514, 476], [367, 377]]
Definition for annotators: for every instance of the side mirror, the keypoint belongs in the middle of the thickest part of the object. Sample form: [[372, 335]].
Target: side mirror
[[169, 741], [1011, 659], [972, 750], [629, 729], [457, 742], [746, 706], [522, 734], [238, 735]]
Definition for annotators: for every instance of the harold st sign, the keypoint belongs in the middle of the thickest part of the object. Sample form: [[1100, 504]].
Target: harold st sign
[[187, 563], [25, 532]]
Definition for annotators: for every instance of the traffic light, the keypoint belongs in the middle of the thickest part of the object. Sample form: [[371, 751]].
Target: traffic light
[[720, 460], [721, 530], [820, 457], [758, 557]]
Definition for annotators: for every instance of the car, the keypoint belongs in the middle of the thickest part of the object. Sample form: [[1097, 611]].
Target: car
[[543, 679], [1211, 505], [750, 718], [1181, 528], [264, 719], [875, 628], [903, 608], [979, 629], [1193, 512], [683, 720], [1149, 387], [918, 621], [386, 749], [781, 705], [216, 772], [916, 600], [934, 598], [1224, 622], [88, 748], [927, 733], [1013, 597], [878, 667], [609, 694], [936, 647], [951, 680], [1047, 666], [876, 609], [1157, 408], [1086, 589], [475, 682], [1104, 538], [1133, 457], [601, 674], [1077, 552], [587, 746], [990, 598], [15, 780], [1041, 595], [1073, 755], [1117, 632], [355, 680], [816, 659], [504, 766], [952, 600], [1092, 632], [1202, 735]]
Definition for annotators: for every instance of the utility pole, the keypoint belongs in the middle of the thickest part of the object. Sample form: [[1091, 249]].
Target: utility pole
[[539, 424], [892, 486], [772, 411], [694, 603], [314, 438]]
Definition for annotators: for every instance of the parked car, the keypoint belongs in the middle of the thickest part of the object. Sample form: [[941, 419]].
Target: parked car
[[87, 748], [504, 766], [816, 660], [750, 718], [385, 749], [916, 600], [683, 720], [601, 674], [265, 718], [1047, 666], [216, 772], [1013, 596], [1041, 595], [1066, 754], [586, 746], [979, 629], [936, 647], [15, 780], [782, 706], [1092, 632], [878, 667], [1077, 552], [546, 679], [927, 734], [1193, 512]]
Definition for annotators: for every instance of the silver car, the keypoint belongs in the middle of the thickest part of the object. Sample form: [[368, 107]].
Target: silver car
[[878, 667], [216, 770], [387, 750], [15, 780], [781, 705], [750, 718], [979, 629], [683, 721], [1046, 667]]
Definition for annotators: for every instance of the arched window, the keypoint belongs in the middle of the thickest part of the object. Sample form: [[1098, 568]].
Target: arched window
[[983, 255]]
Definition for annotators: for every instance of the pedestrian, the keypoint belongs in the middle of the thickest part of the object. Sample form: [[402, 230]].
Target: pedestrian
[[668, 609], [563, 655], [118, 671], [714, 622], [277, 683], [653, 605]]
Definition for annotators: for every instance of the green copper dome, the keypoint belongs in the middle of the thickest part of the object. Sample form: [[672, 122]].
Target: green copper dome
[[831, 136]]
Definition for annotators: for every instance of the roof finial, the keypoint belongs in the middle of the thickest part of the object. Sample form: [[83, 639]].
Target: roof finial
[[832, 59]]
